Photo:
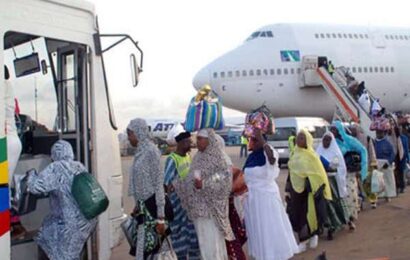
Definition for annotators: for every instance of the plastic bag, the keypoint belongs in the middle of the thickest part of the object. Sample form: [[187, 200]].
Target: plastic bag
[[377, 182], [89, 195]]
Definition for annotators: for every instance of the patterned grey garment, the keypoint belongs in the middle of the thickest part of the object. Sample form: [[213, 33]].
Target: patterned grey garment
[[146, 176], [213, 199], [65, 230]]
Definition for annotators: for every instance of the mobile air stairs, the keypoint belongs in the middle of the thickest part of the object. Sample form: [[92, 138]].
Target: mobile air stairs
[[314, 75]]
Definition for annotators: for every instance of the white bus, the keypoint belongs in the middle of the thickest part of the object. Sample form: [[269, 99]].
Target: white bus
[[53, 53]]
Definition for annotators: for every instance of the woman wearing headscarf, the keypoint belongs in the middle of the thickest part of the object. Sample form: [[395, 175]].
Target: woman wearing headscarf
[[310, 190], [146, 180], [205, 194], [334, 164], [367, 142], [183, 234], [234, 247], [270, 235], [349, 144], [65, 230], [385, 155]]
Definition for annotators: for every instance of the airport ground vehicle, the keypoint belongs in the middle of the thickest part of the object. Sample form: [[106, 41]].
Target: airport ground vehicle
[[53, 51], [287, 126]]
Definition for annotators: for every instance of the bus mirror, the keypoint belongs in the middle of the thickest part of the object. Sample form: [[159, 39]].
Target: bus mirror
[[135, 70], [44, 67]]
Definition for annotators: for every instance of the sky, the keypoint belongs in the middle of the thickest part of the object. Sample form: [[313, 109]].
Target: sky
[[180, 37]]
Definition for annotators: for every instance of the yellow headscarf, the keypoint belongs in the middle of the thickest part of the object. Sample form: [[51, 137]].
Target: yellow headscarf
[[305, 163]]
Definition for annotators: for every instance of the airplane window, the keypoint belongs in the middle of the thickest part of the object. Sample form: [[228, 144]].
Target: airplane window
[[253, 36], [365, 69], [278, 71], [344, 35], [354, 69], [381, 70], [405, 37], [215, 75], [230, 74], [366, 36], [292, 71], [244, 73], [237, 73], [359, 69], [391, 69], [334, 35], [396, 37], [339, 35], [355, 36], [350, 36], [222, 74], [269, 34], [316, 35], [265, 72], [263, 34], [272, 71], [401, 37], [299, 70], [322, 35], [386, 36], [371, 69], [327, 35], [251, 73], [285, 71], [376, 69], [361, 36], [386, 69], [391, 37], [258, 72]]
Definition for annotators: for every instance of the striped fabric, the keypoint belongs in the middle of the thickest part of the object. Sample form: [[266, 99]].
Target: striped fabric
[[4, 190], [183, 236], [205, 114]]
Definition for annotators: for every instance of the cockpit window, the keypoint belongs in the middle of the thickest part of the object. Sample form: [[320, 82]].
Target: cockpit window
[[258, 34]]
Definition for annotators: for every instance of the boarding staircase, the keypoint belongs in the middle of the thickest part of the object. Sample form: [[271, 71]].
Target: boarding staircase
[[336, 86]]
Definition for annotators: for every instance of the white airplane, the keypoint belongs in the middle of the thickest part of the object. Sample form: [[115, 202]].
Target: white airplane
[[267, 68]]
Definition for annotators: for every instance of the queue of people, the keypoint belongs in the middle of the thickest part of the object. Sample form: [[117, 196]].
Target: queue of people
[[206, 194], [327, 189]]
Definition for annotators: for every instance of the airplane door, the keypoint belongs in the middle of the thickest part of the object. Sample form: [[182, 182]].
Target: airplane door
[[378, 40]]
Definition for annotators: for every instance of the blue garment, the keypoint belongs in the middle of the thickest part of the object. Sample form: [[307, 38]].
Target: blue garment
[[384, 150], [348, 143], [406, 159], [256, 159], [326, 163], [183, 234]]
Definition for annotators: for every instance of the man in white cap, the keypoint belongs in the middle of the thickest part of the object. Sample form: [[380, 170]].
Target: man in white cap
[[183, 236]]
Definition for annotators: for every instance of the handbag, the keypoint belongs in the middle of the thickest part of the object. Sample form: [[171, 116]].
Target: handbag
[[151, 206], [130, 228], [168, 254], [377, 182], [89, 195], [353, 162], [23, 201]]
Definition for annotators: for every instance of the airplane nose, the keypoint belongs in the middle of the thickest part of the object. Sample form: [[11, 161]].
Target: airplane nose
[[201, 78]]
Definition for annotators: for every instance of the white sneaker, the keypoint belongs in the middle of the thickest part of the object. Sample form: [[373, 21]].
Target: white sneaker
[[303, 246], [313, 241]]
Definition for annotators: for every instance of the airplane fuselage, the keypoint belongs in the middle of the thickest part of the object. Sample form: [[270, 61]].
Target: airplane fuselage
[[266, 69]]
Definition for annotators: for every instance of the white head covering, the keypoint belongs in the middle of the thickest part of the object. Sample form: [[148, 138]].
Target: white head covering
[[333, 153], [175, 131], [203, 133]]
